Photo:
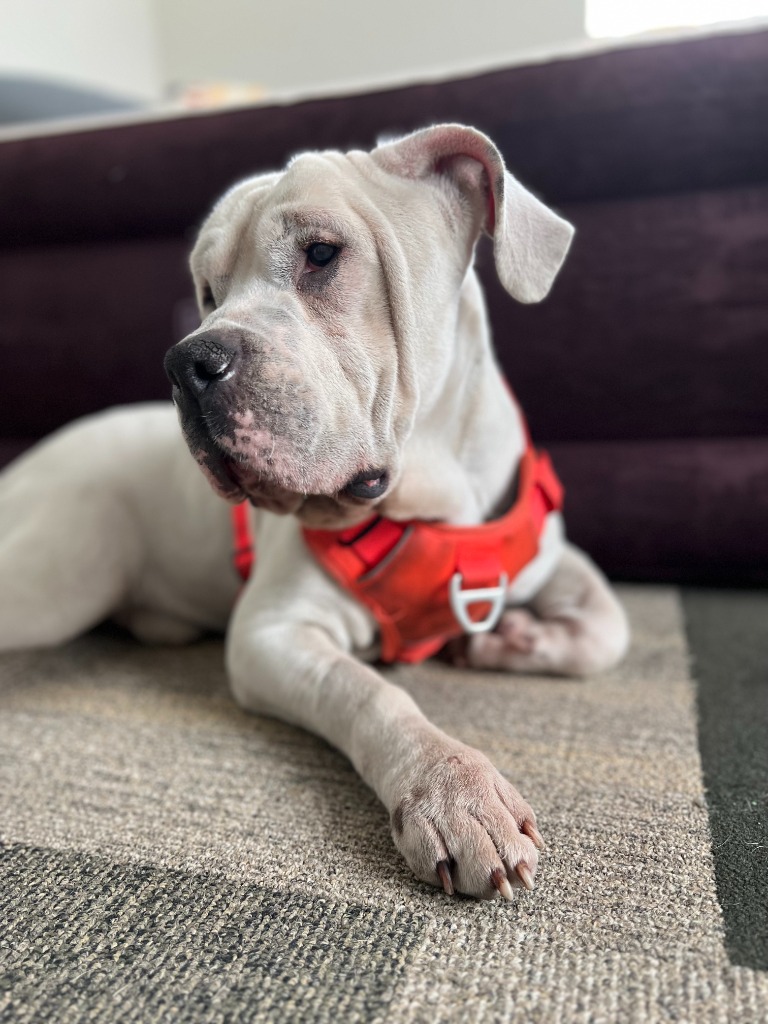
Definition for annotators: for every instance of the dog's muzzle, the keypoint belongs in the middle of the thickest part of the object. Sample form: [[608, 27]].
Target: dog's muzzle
[[206, 372]]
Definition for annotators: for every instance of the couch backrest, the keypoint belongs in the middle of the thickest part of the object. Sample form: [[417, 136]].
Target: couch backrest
[[655, 331]]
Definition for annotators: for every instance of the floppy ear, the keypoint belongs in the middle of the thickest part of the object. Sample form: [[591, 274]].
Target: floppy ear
[[529, 240]]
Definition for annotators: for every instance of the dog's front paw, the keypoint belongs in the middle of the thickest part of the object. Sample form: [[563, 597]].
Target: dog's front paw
[[461, 825]]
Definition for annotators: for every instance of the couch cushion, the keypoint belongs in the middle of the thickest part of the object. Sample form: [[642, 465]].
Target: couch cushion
[[692, 511], [656, 327], [85, 327]]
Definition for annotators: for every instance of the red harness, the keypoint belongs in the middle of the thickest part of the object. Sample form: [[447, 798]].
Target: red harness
[[425, 582]]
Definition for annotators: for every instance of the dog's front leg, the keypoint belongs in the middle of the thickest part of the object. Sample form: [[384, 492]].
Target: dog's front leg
[[457, 821]]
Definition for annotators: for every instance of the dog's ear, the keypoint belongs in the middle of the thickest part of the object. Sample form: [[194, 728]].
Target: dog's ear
[[529, 240]]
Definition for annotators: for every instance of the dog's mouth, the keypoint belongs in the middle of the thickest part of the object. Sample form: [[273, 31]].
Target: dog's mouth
[[236, 480], [271, 476]]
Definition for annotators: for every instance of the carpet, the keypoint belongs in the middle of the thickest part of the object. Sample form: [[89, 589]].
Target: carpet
[[166, 857]]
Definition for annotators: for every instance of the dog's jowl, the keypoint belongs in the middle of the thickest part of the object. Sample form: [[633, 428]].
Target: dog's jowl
[[344, 404]]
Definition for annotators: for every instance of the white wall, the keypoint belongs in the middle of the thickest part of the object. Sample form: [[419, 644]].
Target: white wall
[[140, 48], [306, 45], [111, 44]]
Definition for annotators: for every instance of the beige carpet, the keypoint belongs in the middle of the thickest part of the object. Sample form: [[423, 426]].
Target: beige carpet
[[167, 857]]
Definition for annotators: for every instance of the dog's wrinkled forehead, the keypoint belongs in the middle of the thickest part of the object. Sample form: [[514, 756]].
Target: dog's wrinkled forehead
[[436, 189], [312, 200]]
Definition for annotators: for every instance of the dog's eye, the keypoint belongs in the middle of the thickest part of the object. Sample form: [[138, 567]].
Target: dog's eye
[[320, 254]]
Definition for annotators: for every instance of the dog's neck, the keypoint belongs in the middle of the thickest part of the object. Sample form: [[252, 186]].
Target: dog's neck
[[459, 463]]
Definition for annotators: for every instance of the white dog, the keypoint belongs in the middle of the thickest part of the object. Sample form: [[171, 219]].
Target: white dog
[[343, 365]]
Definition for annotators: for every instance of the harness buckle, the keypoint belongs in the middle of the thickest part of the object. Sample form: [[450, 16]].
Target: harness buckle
[[462, 599]]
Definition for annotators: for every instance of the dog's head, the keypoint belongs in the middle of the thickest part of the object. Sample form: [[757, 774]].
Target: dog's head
[[330, 297]]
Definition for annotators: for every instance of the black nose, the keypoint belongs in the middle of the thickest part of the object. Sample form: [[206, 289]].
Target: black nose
[[196, 364]]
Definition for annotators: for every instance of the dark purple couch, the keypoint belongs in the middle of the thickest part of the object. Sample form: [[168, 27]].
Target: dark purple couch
[[646, 370]]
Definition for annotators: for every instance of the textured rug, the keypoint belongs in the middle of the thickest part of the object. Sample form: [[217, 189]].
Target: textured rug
[[167, 858]]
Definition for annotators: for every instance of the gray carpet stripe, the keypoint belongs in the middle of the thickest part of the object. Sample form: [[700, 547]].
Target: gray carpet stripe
[[728, 635], [86, 939]]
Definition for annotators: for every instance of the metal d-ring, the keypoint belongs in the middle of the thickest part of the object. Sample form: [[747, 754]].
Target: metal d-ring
[[462, 599]]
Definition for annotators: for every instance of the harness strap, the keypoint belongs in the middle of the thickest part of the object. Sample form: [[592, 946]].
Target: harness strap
[[427, 582], [244, 554]]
